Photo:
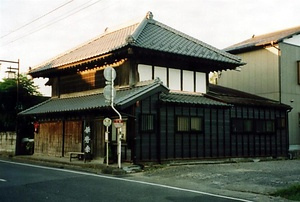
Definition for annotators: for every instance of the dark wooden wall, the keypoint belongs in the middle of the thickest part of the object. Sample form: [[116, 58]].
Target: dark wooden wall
[[146, 143], [98, 138], [90, 79], [260, 144], [164, 142], [217, 140]]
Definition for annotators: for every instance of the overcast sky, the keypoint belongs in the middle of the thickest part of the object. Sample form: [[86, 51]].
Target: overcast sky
[[37, 30]]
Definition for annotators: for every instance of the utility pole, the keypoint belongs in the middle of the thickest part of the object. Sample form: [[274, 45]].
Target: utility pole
[[11, 71]]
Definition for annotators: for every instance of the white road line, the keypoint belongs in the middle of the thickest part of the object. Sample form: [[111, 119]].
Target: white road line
[[128, 180], [2, 180]]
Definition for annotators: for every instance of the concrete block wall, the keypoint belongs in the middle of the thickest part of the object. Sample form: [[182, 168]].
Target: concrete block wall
[[7, 143]]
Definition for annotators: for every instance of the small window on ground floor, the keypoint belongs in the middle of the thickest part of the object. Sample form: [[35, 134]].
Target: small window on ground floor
[[280, 123], [264, 126], [196, 124], [147, 122], [183, 124], [187, 124], [249, 125], [242, 125]]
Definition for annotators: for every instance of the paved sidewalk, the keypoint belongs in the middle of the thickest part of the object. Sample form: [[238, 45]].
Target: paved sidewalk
[[249, 180], [93, 166]]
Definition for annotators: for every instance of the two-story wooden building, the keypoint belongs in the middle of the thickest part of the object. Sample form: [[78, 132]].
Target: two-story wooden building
[[169, 109]]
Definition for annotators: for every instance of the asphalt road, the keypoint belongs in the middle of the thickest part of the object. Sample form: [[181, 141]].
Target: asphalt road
[[24, 182]]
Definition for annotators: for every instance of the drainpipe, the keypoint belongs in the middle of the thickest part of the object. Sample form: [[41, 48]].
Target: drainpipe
[[279, 69]]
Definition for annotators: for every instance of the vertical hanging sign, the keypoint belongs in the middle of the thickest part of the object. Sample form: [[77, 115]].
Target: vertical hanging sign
[[87, 141]]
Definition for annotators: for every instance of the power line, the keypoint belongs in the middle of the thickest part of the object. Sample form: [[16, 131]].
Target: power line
[[62, 17], [37, 19]]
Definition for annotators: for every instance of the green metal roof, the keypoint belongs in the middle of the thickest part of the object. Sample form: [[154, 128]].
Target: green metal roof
[[124, 98], [147, 34], [216, 96], [190, 98]]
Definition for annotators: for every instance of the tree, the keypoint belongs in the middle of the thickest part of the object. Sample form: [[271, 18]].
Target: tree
[[27, 95]]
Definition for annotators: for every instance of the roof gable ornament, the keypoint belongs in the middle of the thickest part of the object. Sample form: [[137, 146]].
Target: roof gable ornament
[[149, 15], [158, 81], [129, 39]]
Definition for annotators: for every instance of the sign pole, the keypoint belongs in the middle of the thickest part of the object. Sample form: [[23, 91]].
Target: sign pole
[[107, 151], [119, 129], [118, 124], [107, 123], [109, 94]]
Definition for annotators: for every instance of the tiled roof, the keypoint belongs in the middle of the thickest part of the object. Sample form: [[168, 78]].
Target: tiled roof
[[105, 43], [189, 98], [148, 34], [236, 97], [157, 36], [123, 98], [261, 40]]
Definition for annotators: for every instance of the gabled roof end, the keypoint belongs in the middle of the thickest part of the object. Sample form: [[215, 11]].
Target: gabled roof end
[[256, 42]]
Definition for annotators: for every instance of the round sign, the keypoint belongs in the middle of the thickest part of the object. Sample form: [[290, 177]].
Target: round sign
[[107, 122], [109, 92], [109, 73]]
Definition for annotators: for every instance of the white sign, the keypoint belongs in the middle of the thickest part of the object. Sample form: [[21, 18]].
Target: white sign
[[106, 136], [107, 122], [109, 92], [118, 123], [109, 73]]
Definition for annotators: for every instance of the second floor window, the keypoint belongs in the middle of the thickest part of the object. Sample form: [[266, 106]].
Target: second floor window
[[175, 79]]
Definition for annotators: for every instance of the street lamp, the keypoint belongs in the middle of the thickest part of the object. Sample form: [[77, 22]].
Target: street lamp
[[10, 73]]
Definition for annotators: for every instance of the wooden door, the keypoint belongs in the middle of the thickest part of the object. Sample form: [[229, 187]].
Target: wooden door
[[98, 140], [73, 137]]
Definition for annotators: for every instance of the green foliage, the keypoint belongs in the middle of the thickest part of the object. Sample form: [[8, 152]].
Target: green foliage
[[26, 86], [27, 95], [291, 193]]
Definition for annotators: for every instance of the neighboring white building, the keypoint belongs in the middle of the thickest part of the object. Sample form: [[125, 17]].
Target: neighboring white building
[[272, 71]]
